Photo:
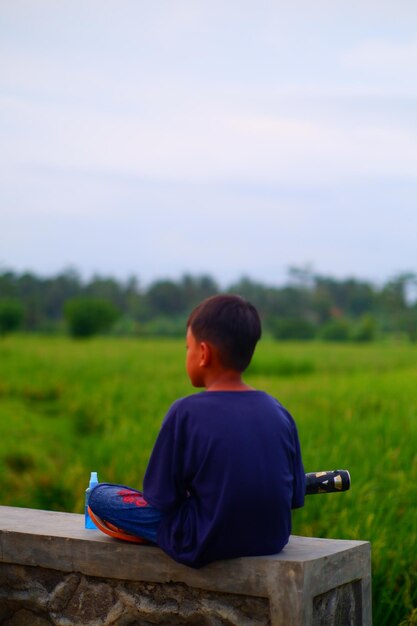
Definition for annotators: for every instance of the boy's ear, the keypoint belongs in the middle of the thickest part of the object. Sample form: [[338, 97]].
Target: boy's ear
[[205, 354]]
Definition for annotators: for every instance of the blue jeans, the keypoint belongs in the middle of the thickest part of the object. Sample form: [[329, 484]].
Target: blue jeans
[[126, 508]]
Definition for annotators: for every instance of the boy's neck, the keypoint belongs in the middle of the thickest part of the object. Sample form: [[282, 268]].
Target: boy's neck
[[226, 381]]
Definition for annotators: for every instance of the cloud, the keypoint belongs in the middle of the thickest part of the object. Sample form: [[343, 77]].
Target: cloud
[[138, 127], [385, 57], [207, 144], [134, 112]]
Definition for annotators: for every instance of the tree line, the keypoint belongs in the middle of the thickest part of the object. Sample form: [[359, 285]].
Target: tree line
[[306, 306]]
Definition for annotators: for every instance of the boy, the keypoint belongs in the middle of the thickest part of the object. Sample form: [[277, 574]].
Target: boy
[[226, 468]]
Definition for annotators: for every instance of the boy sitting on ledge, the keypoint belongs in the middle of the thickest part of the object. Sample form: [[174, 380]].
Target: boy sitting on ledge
[[226, 469]]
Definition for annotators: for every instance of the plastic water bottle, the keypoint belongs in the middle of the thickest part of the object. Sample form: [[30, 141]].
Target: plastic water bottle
[[89, 524]]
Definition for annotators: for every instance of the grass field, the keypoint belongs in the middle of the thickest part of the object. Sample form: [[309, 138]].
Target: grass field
[[70, 407]]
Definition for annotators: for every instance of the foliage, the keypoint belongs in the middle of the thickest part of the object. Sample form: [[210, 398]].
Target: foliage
[[365, 329], [337, 329], [89, 316], [11, 315], [102, 405], [163, 326], [306, 302], [167, 296], [290, 328]]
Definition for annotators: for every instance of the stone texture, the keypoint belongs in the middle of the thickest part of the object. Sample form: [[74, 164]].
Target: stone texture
[[26, 618], [79, 600], [342, 605]]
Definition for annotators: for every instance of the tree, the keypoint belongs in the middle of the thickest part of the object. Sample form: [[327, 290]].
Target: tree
[[351, 296], [337, 329], [394, 306], [57, 290], [289, 328], [89, 316], [365, 329], [11, 315], [29, 288], [166, 298], [197, 288]]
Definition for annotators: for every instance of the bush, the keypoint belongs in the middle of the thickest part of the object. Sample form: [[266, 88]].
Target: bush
[[165, 326], [11, 315], [89, 316], [292, 328], [365, 329], [336, 330]]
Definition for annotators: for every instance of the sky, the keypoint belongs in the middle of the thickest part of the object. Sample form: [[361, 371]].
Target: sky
[[228, 138]]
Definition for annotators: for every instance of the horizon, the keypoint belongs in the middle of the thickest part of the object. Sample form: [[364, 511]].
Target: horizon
[[310, 274]]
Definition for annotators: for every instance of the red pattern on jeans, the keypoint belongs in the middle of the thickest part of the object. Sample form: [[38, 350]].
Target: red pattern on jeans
[[132, 497]]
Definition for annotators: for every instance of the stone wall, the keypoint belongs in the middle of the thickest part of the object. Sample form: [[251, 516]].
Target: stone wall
[[34, 595], [54, 572]]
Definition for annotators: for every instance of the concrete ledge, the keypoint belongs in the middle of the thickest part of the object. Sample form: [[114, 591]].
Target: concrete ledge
[[313, 581]]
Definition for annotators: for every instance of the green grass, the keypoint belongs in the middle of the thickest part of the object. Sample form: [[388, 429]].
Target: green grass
[[69, 407]]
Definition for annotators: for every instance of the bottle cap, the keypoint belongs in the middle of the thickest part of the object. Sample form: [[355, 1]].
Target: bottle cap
[[93, 479]]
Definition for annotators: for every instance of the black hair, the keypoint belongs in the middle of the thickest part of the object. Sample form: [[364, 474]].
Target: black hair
[[231, 324]]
